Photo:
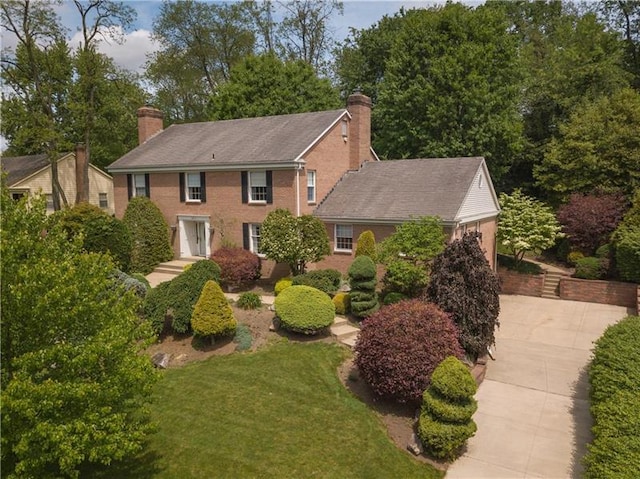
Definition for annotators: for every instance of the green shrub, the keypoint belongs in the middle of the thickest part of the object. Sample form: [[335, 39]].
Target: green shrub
[[142, 278], [591, 268], [243, 338], [129, 283], [150, 235], [562, 248], [604, 251], [614, 376], [574, 257], [212, 315], [304, 309], [445, 421], [174, 300], [281, 285], [326, 280], [362, 278], [249, 300], [406, 278], [392, 298], [342, 303], [628, 254], [366, 245], [101, 233], [238, 266], [399, 347]]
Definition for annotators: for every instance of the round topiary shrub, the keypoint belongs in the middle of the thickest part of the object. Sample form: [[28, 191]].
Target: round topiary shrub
[[591, 268], [399, 347], [150, 235], [304, 309], [448, 404], [238, 266], [249, 300], [281, 285], [362, 279], [341, 302], [326, 280], [212, 316], [366, 245]]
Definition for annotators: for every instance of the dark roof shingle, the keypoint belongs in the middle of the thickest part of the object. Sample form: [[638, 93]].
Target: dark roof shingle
[[19, 167], [264, 140], [396, 190]]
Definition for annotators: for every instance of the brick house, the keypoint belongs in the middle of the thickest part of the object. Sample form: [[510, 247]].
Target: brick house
[[215, 182]]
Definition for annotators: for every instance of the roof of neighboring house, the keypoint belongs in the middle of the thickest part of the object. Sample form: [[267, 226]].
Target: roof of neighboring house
[[397, 190], [269, 140], [20, 167]]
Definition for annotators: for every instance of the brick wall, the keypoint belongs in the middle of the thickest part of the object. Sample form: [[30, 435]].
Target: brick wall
[[605, 292], [517, 283]]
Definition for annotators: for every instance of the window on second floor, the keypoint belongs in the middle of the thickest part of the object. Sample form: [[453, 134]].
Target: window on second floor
[[193, 187], [343, 238], [257, 186], [138, 185], [311, 186]]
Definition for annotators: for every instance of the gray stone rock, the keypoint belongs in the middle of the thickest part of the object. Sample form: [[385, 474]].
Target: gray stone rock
[[161, 360], [415, 445], [275, 324]]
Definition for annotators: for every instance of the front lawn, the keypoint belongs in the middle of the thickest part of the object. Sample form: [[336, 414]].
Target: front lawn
[[279, 412]]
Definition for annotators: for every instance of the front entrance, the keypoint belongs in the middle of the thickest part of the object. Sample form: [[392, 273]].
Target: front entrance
[[194, 236]]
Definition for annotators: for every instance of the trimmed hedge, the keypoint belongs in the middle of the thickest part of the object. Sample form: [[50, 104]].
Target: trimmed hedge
[[150, 235], [362, 279], [614, 376], [212, 316], [399, 347], [304, 309], [238, 266], [445, 421], [281, 285], [342, 303], [326, 280], [173, 301]]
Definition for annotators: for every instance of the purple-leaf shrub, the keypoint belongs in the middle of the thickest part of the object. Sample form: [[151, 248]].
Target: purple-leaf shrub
[[238, 266]]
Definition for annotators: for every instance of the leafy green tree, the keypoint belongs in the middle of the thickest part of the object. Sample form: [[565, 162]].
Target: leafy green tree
[[464, 285], [74, 381], [525, 224], [599, 147], [265, 85], [451, 88], [149, 233], [294, 241]]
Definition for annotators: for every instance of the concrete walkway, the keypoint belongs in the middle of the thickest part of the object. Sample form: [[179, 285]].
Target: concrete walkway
[[533, 410]]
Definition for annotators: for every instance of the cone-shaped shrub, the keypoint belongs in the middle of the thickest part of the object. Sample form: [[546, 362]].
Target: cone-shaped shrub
[[445, 421], [399, 347], [212, 315], [366, 245], [362, 278], [304, 309]]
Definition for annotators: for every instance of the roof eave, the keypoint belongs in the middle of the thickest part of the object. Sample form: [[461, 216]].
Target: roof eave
[[285, 165], [376, 221]]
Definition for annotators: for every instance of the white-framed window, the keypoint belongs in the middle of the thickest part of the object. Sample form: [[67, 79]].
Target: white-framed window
[[193, 188], [345, 129], [258, 186], [139, 184], [480, 181], [49, 198], [343, 238], [254, 238], [311, 186], [103, 200]]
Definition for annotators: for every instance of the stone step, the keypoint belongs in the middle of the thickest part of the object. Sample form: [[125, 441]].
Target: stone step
[[164, 270], [350, 340], [339, 320], [342, 330]]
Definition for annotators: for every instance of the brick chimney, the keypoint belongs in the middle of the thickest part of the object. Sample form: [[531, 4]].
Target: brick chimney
[[149, 123], [82, 179], [359, 107]]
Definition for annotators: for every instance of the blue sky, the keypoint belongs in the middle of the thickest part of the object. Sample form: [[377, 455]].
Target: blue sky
[[132, 54]]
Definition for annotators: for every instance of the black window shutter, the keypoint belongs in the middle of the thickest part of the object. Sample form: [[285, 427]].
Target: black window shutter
[[181, 180], [130, 185], [245, 235], [147, 185], [269, 186], [203, 187], [244, 177]]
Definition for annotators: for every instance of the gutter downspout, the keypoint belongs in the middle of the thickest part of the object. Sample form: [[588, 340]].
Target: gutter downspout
[[300, 165]]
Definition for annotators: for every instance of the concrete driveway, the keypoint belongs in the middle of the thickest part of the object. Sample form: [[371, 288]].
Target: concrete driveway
[[533, 410]]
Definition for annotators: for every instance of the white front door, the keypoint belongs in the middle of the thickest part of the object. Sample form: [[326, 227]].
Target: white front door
[[194, 236], [201, 237]]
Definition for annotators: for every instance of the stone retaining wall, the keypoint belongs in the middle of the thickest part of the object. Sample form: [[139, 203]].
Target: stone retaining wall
[[517, 283], [605, 292]]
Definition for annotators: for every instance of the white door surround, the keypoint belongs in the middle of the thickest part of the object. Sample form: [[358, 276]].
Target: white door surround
[[195, 236]]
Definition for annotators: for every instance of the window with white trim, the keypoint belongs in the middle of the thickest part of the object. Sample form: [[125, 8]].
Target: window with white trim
[[139, 184], [344, 238], [311, 186], [254, 238], [345, 129], [49, 198], [193, 188], [103, 200], [258, 186]]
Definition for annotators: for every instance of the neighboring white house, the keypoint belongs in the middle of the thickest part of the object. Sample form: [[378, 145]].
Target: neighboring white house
[[31, 175]]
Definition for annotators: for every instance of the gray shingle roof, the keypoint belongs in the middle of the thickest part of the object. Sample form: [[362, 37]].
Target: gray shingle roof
[[19, 167], [264, 140], [397, 190]]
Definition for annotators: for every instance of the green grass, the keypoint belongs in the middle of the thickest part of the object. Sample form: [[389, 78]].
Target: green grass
[[280, 412]]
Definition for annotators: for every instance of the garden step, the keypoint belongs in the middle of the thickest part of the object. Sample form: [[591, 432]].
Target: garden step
[[341, 330], [339, 320], [350, 340]]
